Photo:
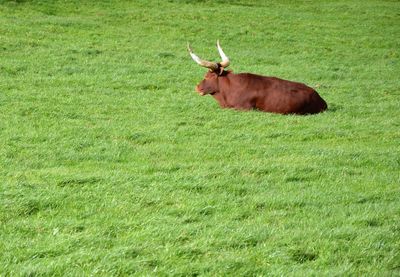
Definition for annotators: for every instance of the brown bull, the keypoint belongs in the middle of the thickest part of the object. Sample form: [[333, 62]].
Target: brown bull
[[246, 91]]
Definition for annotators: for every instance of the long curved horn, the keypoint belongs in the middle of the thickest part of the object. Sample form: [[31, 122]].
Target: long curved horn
[[225, 60], [204, 63]]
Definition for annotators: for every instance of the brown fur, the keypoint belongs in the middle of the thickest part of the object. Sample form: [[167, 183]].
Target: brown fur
[[246, 91]]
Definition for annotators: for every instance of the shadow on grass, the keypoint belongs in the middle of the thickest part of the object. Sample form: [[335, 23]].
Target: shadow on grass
[[333, 108], [302, 256]]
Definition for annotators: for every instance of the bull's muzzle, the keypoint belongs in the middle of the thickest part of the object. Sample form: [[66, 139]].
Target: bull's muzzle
[[199, 91]]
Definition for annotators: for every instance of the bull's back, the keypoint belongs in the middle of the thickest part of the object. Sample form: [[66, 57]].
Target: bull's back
[[281, 96]]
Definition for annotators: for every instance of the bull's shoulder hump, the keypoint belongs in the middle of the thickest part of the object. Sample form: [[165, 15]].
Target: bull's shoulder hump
[[257, 76], [254, 76]]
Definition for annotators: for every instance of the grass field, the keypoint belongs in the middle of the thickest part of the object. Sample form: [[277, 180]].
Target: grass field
[[111, 164]]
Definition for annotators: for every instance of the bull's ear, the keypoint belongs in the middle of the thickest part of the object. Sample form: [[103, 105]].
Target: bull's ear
[[221, 70]]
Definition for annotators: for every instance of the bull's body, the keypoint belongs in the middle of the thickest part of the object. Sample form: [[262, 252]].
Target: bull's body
[[246, 91]]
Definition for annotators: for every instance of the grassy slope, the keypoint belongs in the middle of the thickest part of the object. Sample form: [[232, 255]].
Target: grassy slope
[[109, 163]]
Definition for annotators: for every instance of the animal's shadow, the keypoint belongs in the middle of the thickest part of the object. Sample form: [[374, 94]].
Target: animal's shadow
[[332, 108]]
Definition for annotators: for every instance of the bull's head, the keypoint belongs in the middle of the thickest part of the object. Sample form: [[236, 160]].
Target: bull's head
[[210, 83]]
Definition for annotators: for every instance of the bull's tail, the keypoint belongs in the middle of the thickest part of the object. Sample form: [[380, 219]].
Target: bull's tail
[[316, 105], [324, 105]]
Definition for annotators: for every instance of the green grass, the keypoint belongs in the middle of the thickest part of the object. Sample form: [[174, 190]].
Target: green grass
[[111, 164]]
